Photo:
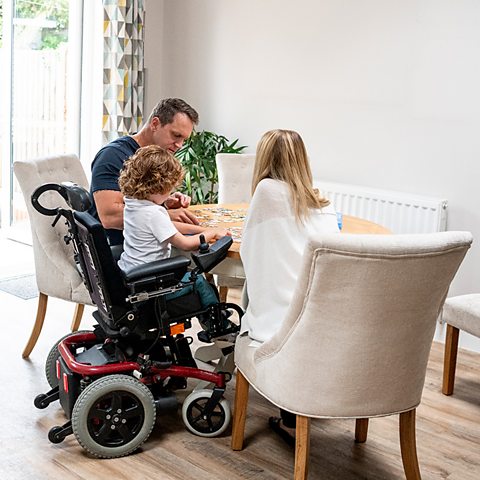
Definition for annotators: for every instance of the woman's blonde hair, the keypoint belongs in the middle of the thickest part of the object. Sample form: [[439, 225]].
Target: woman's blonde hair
[[281, 155], [150, 170]]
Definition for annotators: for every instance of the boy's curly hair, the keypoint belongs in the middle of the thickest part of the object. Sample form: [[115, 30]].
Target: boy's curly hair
[[150, 170]]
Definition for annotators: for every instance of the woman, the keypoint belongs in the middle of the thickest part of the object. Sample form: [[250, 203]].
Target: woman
[[285, 210]]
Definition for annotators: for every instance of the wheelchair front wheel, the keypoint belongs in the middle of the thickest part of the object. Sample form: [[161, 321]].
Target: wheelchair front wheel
[[51, 361], [113, 416], [200, 423]]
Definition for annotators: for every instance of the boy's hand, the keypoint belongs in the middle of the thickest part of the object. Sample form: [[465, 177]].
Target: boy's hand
[[221, 232]]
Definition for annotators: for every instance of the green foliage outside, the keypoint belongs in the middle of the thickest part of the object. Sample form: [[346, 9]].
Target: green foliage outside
[[197, 156], [53, 10]]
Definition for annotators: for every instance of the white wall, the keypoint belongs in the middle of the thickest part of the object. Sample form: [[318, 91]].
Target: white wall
[[154, 53], [384, 93]]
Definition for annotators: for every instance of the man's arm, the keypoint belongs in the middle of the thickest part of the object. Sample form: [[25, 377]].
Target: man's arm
[[183, 216], [188, 229], [110, 207]]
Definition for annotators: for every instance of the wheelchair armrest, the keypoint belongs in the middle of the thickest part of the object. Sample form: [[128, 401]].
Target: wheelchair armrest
[[176, 266], [214, 255], [116, 251]]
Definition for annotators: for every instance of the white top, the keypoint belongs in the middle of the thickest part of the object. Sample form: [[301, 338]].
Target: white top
[[271, 251], [146, 231]]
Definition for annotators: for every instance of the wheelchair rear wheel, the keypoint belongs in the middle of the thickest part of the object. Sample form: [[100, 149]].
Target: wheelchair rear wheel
[[199, 423], [113, 416], [51, 361]]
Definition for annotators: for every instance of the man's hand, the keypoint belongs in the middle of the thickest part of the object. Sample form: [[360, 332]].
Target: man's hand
[[178, 200], [183, 216]]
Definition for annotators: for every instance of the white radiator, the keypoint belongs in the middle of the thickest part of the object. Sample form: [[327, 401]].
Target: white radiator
[[399, 212]]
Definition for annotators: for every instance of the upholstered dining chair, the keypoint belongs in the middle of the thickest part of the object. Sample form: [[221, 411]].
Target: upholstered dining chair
[[459, 313], [55, 269], [235, 172], [357, 336]]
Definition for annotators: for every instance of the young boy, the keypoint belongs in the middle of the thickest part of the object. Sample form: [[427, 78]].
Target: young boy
[[146, 181]]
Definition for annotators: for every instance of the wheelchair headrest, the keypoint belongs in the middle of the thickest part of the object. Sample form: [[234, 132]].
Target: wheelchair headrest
[[77, 197]]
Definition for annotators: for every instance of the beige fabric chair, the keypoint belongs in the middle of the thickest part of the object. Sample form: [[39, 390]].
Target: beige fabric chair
[[357, 337], [459, 313], [55, 269], [235, 172]]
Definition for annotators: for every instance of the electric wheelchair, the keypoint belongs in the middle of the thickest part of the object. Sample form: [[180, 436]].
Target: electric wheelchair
[[112, 381]]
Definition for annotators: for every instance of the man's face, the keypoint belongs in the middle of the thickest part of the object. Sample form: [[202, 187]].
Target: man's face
[[172, 135]]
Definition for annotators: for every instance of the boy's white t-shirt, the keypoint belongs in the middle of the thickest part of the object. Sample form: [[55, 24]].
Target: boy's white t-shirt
[[146, 230]]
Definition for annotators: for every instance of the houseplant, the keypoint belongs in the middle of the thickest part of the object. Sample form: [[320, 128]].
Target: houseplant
[[197, 156]]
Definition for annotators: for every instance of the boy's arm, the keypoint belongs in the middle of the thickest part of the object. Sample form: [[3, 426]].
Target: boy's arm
[[192, 242]]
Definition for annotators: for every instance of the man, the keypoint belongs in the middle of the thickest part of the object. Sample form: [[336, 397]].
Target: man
[[169, 125]]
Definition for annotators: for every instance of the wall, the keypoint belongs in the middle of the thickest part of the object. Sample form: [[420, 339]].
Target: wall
[[384, 93], [154, 33]]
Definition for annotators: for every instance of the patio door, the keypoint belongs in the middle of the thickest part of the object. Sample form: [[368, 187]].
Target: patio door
[[40, 55]]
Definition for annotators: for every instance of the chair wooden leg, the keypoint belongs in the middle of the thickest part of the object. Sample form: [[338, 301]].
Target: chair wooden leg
[[240, 411], [209, 277], [408, 445], [361, 430], [223, 292], [302, 447], [37, 326], [450, 359], [77, 316]]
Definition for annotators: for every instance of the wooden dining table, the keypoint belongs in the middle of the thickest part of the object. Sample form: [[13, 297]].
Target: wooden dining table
[[232, 216]]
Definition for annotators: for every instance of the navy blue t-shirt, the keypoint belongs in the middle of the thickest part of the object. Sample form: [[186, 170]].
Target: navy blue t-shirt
[[106, 168]]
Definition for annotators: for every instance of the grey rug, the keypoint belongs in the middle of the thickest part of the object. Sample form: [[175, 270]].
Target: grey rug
[[24, 286]]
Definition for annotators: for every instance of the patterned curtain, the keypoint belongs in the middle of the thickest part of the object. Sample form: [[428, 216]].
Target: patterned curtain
[[122, 67]]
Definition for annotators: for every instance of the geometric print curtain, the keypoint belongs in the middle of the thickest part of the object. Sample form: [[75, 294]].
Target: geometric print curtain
[[123, 75]]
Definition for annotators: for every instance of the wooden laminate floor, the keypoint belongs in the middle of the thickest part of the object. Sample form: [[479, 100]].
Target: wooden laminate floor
[[448, 428]]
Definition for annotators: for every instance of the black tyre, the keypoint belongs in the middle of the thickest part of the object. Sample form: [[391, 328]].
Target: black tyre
[[39, 401], [51, 361], [54, 435], [113, 416], [193, 414]]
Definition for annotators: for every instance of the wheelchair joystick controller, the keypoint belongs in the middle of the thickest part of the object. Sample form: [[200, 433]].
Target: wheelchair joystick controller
[[204, 246]]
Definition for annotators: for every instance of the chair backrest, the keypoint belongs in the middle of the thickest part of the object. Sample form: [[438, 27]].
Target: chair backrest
[[102, 274], [356, 339], [55, 268], [235, 172]]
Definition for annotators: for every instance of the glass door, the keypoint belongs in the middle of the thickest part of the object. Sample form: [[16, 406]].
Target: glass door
[[41, 57]]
